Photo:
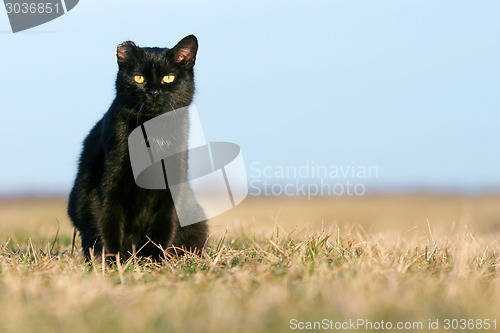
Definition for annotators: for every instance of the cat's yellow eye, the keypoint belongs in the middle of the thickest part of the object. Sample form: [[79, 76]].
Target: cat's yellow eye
[[139, 79], [169, 78]]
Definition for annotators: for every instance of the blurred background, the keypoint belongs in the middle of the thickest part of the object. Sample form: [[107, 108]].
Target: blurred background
[[409, 89]]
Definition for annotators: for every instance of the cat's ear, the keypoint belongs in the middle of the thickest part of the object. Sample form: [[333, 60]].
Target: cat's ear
[[185, 51], [124, 51]]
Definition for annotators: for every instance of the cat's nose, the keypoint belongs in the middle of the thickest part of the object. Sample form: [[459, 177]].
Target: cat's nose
[[154, 92]]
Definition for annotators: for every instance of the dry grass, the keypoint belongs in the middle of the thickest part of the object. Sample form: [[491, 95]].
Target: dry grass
[[391, 258]]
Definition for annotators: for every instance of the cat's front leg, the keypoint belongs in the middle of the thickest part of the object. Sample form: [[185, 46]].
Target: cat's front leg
[[111, 228], [193, 237]]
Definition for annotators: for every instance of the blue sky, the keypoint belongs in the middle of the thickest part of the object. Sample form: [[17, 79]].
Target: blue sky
[[412, 87]]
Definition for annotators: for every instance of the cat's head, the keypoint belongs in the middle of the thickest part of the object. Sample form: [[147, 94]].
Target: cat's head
[[155, 80]]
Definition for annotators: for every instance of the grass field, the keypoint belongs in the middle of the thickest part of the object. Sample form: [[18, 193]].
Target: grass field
[[271, 265]]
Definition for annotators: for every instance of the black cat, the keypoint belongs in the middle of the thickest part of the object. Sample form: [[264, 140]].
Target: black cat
[[106, 206]]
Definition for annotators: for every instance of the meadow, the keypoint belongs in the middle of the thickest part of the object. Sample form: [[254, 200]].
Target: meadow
[[271, 265]]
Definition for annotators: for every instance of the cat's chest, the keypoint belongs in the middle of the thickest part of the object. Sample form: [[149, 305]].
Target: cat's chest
[[139, 204], [145, 209], [125, 190]]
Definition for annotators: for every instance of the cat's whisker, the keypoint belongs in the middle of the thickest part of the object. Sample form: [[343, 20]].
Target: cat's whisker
[[128, 121], [175, 119]]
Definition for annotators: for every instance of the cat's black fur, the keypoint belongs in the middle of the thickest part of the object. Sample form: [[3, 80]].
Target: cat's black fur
[[106, 206]]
